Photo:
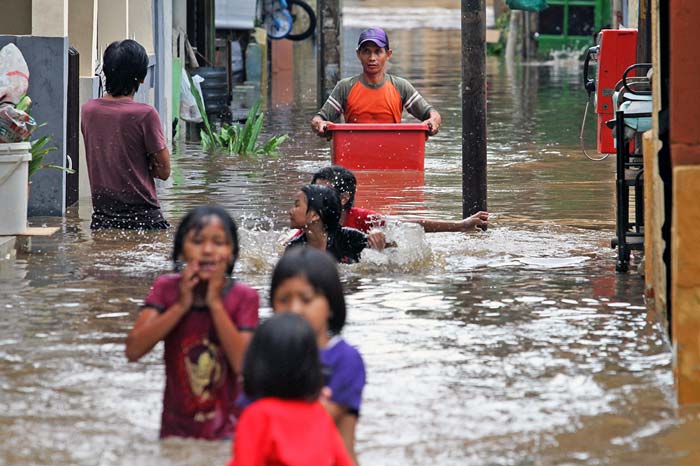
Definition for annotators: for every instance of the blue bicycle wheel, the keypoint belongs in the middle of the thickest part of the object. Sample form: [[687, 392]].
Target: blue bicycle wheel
[[278, 24]]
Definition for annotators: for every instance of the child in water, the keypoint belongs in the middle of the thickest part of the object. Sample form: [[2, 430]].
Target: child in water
[[344, 183], [285, 425], [206, 319], [306, 282], [316, 212], [124, 145]]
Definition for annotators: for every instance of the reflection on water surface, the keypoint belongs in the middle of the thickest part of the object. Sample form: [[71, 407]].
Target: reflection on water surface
[[517, 346]]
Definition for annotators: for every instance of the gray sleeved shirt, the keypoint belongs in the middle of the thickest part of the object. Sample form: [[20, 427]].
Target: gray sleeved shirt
[[359, 102]]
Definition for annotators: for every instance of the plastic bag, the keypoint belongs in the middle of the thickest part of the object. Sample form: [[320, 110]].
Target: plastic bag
[[15, 125], [188, 105], [14, 74], [528, 5]]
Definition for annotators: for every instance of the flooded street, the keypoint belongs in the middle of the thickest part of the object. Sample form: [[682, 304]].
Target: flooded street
[[517, 346]]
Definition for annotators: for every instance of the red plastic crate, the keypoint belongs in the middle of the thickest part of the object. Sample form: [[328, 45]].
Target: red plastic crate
[[386, 190], [398, 146]]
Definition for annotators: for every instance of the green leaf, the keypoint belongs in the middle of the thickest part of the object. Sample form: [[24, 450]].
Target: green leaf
[[207, 141], [272, 144], [237, 140], [39, 151], [200, 105], [70, 171], [24, 103], [254, 133]]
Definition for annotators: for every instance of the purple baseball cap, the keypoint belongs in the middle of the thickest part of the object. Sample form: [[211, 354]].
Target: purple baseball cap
[[376, 35]]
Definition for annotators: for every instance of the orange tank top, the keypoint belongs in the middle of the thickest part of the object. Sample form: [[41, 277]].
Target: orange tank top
[[367, 105]]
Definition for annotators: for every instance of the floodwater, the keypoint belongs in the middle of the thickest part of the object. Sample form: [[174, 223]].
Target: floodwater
[[517, 346]]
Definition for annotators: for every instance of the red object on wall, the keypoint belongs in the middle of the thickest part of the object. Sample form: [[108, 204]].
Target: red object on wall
[[618, 50], [398, 146]]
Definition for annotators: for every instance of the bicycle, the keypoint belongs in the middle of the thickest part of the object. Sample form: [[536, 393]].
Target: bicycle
[[288, 19]]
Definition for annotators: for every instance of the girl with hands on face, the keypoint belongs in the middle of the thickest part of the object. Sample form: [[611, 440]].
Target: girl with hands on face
[[206, 319]]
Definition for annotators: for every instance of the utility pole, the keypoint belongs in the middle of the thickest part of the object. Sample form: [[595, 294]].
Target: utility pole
[[644, 34], [328, 72], [473, 106]]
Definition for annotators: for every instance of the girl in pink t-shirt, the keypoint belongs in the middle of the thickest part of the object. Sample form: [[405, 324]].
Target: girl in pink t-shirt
[[206, 319]]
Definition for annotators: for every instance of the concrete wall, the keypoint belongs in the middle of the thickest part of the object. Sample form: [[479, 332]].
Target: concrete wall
[[685, 282], [654, 207], [47, 59], [684, 89], [684, 119], [82, 31], [50, 18], [140, 27], [20, 21], [89, 89], [112, 22]]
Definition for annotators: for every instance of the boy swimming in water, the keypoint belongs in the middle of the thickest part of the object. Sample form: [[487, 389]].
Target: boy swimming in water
[[344, 183]]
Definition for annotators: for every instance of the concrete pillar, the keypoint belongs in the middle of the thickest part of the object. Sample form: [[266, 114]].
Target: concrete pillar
[[112, 22], [632, 13], [180, 15], [282, 79], [47, 59], [329, 47], [685, 282], [20, 21], [89, 89], [140, 27], [654, 209], [50, 18], [685, 234], [169, 110], [684, 89], [82, 33], [162, 33], [616, 19]]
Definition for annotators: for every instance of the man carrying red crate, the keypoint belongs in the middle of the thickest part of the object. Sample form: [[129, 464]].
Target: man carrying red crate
[[374, 96]]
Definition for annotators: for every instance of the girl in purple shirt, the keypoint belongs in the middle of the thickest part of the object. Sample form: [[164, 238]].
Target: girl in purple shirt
[[306, 282]]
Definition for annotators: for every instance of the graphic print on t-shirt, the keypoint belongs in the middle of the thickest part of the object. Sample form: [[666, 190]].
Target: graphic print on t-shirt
[[202, 370]]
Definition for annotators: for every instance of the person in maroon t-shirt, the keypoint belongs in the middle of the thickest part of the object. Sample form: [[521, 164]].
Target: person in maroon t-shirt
[[345, 184], [206, 319], [124, 145]]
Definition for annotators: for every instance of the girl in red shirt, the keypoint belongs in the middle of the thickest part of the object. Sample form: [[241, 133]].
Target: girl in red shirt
[[286, 425]]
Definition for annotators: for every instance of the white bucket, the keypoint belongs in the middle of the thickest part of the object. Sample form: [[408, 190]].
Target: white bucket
[[14, 179]]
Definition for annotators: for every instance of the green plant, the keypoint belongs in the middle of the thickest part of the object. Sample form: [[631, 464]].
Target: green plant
[[236, 139], [39, 151]]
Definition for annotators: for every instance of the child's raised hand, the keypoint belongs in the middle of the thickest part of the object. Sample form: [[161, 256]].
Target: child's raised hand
[[479, 220], [217, 280], [189, 278], [376, 240]]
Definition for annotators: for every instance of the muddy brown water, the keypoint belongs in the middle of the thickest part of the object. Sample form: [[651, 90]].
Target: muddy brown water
[[518, 346]]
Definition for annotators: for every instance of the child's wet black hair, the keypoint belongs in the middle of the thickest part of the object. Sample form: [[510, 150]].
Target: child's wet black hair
[[282, 360], [342, 180], [125, 64], [325, 202], [198, 218], [320, 270]]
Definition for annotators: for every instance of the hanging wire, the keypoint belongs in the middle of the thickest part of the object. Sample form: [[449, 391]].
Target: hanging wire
[[583, 126]]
